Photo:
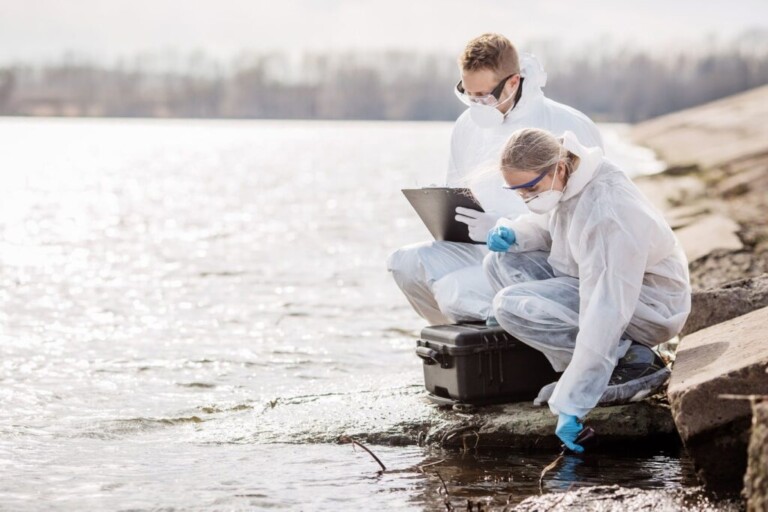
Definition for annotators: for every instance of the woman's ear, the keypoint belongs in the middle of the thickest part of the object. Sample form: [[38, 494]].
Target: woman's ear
[[563, 171]]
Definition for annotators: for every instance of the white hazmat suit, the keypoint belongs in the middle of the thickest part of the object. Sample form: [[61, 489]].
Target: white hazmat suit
[[444, 281], [603, 270]]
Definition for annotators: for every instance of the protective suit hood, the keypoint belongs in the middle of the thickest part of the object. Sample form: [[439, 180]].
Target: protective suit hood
[[535, 78], [589, 160]]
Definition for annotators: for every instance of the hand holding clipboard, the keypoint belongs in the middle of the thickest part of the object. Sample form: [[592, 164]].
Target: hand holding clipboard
[[437, 209]]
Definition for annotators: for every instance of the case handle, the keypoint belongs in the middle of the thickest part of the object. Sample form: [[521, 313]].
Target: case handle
[[429, 355]]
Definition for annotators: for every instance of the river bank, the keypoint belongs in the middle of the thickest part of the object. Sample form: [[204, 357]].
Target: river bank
[[714, 193], [715, 189]]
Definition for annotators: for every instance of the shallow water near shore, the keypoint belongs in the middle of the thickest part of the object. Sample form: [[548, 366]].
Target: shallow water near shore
[[177, 296]]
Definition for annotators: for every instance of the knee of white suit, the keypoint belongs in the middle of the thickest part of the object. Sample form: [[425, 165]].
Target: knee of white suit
[[402, 260], [464, 295], [490, 268], [508, 310], [507, 268], [428, 262], [533, 321], [406, 267]]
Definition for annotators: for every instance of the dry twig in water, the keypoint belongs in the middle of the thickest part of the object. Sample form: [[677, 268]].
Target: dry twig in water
[[421, 468], [552, 466], [447, 499], [464, 440], [345, 439], [458, 430]]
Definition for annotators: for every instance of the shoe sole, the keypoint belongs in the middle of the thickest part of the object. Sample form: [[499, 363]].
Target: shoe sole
[[628, 392]]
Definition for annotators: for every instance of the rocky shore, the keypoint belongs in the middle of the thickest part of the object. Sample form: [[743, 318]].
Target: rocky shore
[[715, 190], [715, 195]]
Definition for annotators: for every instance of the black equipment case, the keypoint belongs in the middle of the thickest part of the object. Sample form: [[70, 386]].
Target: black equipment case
[[475, 364]]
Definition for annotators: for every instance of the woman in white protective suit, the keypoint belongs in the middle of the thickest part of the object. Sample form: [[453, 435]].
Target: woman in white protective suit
[[592, 278]]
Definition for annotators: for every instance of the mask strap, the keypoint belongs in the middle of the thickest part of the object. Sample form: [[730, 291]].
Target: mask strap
[[518, 95]]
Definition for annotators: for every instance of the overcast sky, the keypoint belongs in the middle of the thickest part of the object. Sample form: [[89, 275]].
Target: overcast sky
[[106, 29]]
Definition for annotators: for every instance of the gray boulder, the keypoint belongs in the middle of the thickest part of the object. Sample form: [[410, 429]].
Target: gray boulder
[[524, 426], [713, 368], [716, 305], [756, 479]]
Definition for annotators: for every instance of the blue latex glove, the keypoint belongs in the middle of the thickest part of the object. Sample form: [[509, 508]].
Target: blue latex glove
[[568, 429], [500, 239]]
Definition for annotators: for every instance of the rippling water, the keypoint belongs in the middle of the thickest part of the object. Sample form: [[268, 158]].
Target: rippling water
[[190, 313]]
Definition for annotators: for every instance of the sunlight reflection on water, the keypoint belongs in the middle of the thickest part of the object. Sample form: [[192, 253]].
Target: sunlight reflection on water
[[163, 282]]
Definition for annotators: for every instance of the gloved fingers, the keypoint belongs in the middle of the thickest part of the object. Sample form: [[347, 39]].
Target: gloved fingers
[[468, 212], [497, 244], [476, 235], [568, 429], [577, 448], [508, 235], [466, 220], [492, 241], [495, 232]]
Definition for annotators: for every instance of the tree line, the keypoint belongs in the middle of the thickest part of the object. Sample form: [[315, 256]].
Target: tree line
[[622, 86]]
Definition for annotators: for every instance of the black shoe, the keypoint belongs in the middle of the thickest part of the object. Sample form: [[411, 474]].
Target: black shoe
[[639, 361], [639, 374]]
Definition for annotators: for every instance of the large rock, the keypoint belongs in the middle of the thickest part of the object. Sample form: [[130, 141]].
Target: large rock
[[716, 305], [708, 135], [524, 426], [394, 410], [726, 359], [612, 498], [756, 479], [709, 234]]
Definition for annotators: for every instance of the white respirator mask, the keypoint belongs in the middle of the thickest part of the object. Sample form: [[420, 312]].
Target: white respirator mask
[[547, 200], [486, 116], [483, 110]]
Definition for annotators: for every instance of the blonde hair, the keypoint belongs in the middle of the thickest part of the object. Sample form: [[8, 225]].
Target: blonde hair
[[490, 51], [535, 150]]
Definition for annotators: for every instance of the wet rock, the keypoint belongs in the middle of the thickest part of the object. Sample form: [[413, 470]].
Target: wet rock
[[686, 215], [709, 234], [726, 359], [721, 268], [609, 498], [739, 184], [666, 192], [716, 305], [402, 415], [756, 479], [524, 426]]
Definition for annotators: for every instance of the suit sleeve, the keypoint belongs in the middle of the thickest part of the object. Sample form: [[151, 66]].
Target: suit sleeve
[[613, 255]]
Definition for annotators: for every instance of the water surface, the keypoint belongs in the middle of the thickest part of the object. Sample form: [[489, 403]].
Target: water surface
[[177, 296]]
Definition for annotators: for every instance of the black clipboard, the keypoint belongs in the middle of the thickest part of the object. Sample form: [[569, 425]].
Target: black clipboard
[[437, 208]]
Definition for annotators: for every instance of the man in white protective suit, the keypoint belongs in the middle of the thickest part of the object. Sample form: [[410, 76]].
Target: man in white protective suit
[[444, 281]]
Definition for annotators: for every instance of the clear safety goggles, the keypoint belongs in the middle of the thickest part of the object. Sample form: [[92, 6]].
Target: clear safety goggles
[[487, 99], [525, 189]]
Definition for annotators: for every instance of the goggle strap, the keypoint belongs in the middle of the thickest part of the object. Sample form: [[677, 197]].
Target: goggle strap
[[531, 183]]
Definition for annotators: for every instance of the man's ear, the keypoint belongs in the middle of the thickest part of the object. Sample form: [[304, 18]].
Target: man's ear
[[512, 82]]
